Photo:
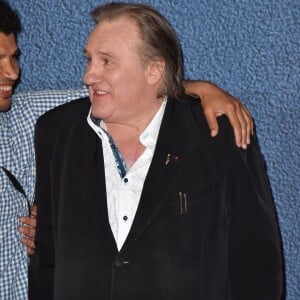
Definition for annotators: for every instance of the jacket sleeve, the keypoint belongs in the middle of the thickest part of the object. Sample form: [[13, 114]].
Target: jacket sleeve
[[254, 246], [41, 265]]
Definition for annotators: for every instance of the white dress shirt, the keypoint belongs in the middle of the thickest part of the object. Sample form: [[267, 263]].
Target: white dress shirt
[[123, 194]]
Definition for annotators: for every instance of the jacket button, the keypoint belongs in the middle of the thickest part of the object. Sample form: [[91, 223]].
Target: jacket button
[[119, 262]]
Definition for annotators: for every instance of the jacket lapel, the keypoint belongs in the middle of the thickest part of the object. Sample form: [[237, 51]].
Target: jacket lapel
[[94, 189], [162, 174]]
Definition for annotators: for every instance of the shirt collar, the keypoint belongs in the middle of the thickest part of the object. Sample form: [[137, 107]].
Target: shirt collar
[[148, 137]]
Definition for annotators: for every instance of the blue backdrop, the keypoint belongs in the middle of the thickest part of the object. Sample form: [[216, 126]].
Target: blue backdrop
[[250, 48]]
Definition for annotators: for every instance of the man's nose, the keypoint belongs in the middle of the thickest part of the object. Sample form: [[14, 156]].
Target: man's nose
[[93, 74], [10, 69]]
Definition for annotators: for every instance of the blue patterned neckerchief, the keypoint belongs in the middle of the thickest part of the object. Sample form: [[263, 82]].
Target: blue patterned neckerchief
[[120, 163]]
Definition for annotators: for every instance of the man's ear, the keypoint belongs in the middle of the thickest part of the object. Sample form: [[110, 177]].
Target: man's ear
[[155, 71]]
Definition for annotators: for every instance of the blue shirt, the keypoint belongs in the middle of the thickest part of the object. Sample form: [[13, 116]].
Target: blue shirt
[[17, 155]]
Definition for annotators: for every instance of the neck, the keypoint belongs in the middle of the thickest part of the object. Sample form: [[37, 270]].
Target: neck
[[134, 126], [127, 135]]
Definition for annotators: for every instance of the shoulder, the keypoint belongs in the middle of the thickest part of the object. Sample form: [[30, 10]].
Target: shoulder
[[50, 94], [69, 112], [68, 121], [38, 102], [185, 106], [216, 151], [189, 110]]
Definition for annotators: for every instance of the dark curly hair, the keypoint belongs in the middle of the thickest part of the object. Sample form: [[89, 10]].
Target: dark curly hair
[[9, 20]]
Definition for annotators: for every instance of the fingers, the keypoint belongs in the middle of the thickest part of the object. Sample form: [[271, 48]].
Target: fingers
[[246, 122], [235, 121], [29, 243], [242, 123], [243, 126], [33, 211], [211, 121], [216, 102], [28, 237], [28, 230], [249, 121], [28, 222], [239, 118]]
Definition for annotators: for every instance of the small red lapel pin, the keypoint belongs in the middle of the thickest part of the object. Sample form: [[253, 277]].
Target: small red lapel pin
[[171, 158]]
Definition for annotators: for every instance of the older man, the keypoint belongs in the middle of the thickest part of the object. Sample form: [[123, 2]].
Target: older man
[[135, 200], [18, 114]]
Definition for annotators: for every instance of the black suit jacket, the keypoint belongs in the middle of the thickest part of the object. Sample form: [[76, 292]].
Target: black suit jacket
[[205, 227]]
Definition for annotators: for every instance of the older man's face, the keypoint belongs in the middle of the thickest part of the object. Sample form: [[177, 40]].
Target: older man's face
[[9, 68], [117, 79]]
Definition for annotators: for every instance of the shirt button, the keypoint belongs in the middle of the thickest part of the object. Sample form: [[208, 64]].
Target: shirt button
[[125, 218], [125, 180]]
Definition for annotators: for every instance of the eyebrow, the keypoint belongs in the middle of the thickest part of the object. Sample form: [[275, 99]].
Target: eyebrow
[[109, 54]]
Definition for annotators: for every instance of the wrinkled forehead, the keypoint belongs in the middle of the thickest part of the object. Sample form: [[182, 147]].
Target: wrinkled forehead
[[117, 26], [118, 32]]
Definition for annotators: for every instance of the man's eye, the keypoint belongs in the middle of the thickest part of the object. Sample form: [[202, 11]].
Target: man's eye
[[107, 61], [15, 57]]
